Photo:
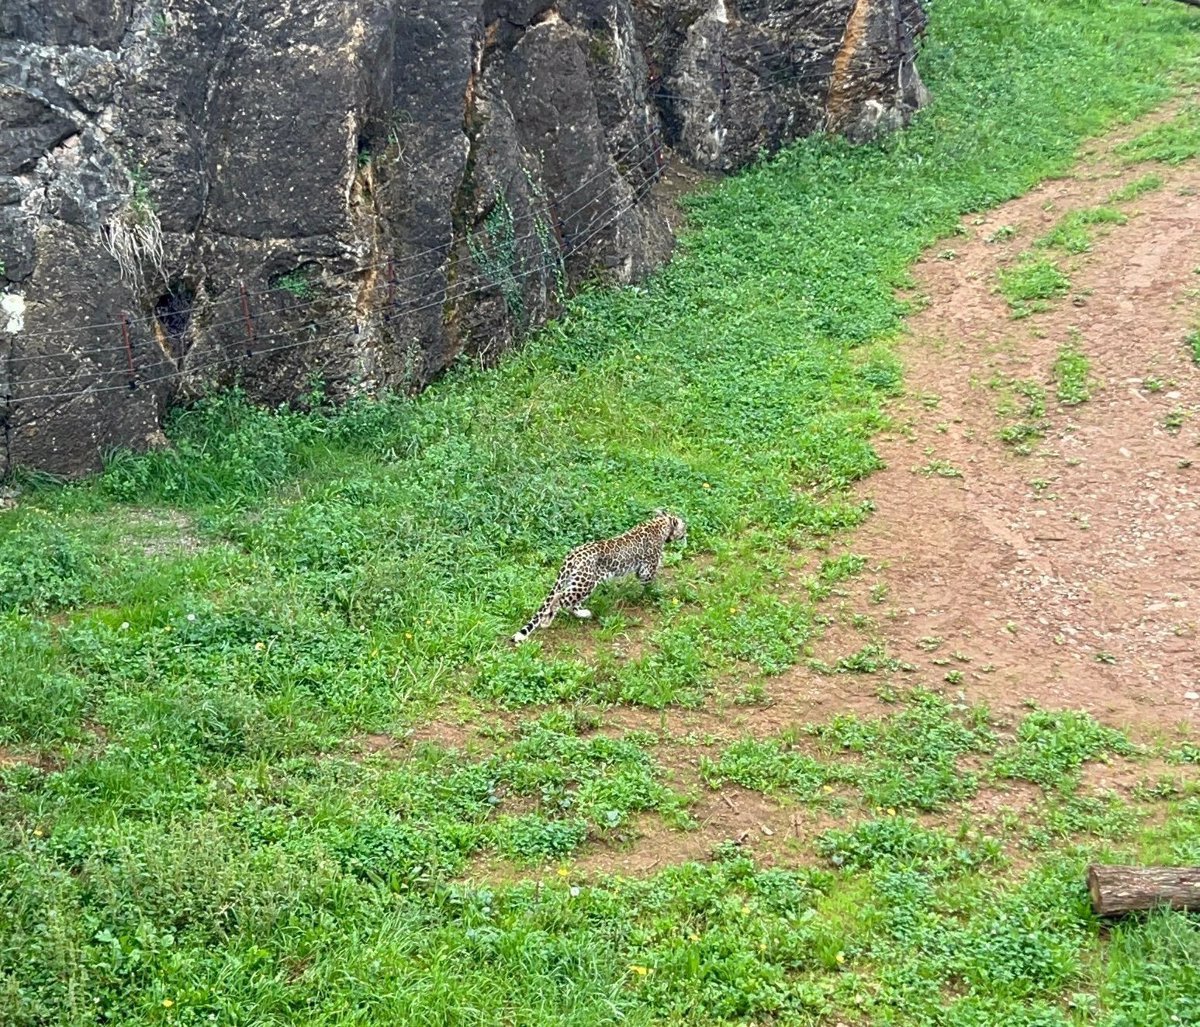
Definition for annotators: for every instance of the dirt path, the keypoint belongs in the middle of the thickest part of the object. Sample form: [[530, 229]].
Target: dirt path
[[1069, 576]]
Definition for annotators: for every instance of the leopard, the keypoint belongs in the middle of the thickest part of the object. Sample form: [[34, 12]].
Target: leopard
[[638, 551]]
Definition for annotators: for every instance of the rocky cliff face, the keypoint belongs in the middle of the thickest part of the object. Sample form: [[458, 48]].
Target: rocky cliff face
[[363, 190]]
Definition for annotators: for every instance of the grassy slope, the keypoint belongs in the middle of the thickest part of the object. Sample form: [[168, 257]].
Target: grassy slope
[[196, 855]]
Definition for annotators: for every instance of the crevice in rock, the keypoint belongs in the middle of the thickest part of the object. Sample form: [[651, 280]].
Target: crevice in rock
[[173, 314], [215, 77], [463, 202]]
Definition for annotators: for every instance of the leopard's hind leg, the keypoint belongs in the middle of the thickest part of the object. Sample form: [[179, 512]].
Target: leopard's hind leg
[[574, 598]]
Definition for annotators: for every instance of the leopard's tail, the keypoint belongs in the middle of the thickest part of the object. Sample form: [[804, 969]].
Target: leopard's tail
[[545, 614]]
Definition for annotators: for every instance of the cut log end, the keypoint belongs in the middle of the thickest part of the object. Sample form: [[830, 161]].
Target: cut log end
[[1117, 889]]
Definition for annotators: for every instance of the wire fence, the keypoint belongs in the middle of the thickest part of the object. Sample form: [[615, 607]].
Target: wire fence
[[261, 343], [129, 352]]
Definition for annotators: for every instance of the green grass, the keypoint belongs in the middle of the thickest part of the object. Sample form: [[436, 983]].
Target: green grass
[[911, 760], [1073, 233], [832, 572], [1031, 283], [919, 759], [1171, 142], [194, 643], [1138, 187], [898, 844], [771, 766], [1153, 968], [1024, 400], [1051, 746], [1071, 367]]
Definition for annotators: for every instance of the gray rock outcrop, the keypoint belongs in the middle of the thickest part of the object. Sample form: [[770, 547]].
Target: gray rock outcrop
[[364, 190]]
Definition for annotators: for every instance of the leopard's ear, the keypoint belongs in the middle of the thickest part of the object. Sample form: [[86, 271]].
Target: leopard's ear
[[660, 513]]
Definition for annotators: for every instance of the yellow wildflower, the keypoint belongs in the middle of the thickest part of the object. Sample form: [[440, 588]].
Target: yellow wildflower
[[168, 1003], [641, 971]]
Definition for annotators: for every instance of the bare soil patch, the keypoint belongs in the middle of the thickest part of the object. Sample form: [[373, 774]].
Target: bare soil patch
[[146, 531], [1068, 577], [773, 830], [446, 734], [45, 762]]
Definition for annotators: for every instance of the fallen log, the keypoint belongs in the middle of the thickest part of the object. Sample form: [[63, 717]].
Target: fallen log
[[1116, 889]]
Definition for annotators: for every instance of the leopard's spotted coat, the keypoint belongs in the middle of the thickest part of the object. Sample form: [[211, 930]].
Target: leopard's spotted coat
[[639, 551]]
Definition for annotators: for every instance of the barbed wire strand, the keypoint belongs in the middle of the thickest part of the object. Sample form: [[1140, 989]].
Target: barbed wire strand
[[783, 77], [347, 320], [608, 169], [463, 286], [451, 293]]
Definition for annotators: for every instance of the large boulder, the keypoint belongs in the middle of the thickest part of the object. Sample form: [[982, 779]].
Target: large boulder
[[364, 191]]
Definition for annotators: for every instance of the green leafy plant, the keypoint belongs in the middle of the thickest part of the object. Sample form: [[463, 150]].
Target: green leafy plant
[[1138, 187], [1071, 368], [297, 283], [1029, 284], [1073, 232], [499, 259], [1051, 746]]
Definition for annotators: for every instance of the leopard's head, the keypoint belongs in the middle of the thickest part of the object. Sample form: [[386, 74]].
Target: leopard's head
[[676, 527]]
